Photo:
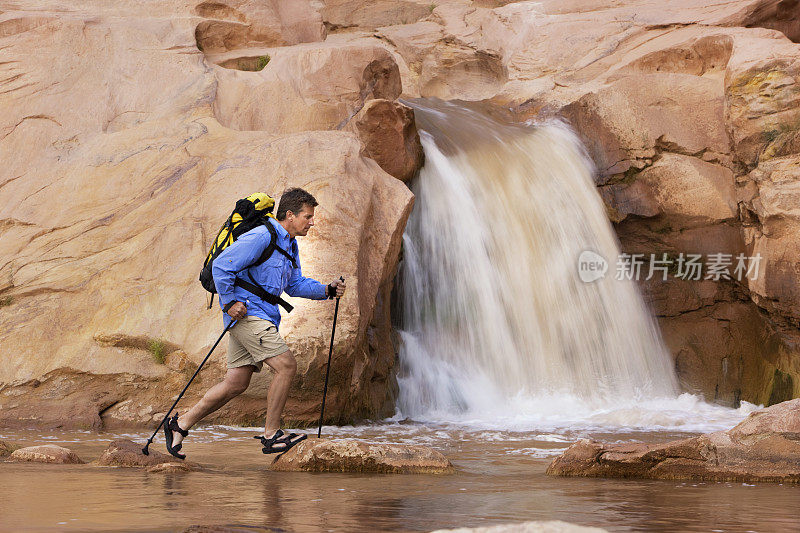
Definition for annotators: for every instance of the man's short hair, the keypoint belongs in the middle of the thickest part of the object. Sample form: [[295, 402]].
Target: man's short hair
[[293, 200]]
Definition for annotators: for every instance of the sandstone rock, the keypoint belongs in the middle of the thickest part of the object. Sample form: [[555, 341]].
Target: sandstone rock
[[538, 57], [551, 526], [689, 187], [347, 455], [128, 454], [390, 137], [413, 43], [179, 362], [762, 98], [167, 468], [463, 73], [696, 56], [457, 52], [7, 448], [220, 528], [685, 189], [621, 137], [248, 23], [770, 194], [48, 453], [778, 15], [343, 14], [314, 87], [144, 174], [764, 447], [729, 363]]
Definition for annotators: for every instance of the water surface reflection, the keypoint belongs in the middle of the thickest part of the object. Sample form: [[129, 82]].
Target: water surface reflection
[[500, 479]]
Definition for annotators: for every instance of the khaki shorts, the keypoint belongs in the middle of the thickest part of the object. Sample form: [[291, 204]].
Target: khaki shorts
[[251, 341]]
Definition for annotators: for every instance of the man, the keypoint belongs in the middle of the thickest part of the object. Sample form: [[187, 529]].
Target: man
[[254, 339]]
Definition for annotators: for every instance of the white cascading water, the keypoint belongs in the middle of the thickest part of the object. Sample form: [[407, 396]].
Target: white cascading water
[[497, 325]]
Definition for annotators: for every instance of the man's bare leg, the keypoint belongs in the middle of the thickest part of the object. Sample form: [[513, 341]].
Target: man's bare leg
[[235, 382], [285, 367]]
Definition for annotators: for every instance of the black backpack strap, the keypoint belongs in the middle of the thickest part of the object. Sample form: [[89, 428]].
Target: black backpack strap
[[262, 293], [252, 286], [273, 247], [288, 255]]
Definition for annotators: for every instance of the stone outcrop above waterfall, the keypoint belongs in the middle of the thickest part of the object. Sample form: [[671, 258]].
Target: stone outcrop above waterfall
[[389, 134], [349, 455], [313, 87], [764, 447]]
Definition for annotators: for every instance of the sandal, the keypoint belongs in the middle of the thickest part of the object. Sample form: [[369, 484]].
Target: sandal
[[169, 427], [280, 442]]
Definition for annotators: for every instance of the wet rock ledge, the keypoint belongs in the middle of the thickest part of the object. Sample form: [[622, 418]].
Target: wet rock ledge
[[127, 454], [348, 455], [6, 448], [763, 447], [47, 453], [552, 526], [120, 453]]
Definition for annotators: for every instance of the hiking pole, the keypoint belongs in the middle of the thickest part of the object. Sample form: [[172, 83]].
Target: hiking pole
[[150, 440], [328, 370]]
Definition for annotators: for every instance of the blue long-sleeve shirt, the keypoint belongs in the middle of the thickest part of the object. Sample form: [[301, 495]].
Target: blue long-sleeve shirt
[[276, 274]]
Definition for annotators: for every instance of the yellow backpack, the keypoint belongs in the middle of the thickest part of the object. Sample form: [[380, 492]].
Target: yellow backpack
[[249, 213]]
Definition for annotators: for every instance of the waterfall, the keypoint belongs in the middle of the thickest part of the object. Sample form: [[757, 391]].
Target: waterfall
[[496, 318]]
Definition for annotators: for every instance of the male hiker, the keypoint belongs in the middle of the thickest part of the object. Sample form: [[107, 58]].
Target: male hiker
[[254, 339]]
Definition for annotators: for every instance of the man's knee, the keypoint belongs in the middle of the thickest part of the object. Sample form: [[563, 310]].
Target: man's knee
[[235, 389], [236, 382], [284, 363]]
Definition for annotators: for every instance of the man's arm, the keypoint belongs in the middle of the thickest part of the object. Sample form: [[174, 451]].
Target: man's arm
[[235, 258], [305, 287]]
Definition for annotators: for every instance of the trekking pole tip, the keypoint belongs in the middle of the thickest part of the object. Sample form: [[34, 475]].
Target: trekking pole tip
[[145, 450]]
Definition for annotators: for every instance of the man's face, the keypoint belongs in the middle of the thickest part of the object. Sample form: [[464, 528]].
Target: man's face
[[300, 223]]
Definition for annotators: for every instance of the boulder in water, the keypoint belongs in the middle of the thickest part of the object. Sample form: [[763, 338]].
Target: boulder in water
[[48, 453], [126, 453], [6, 448], [172, 467], [349, 455], [550, 526], [233, 528], [764, 447]]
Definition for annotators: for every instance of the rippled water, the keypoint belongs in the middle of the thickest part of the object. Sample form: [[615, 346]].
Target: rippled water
[[500, 479]]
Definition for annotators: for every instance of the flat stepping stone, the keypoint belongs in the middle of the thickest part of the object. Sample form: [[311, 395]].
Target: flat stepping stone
[[128, 454], [763, 447], [47, 453], [349, 455], [551, 526], [6, 448]]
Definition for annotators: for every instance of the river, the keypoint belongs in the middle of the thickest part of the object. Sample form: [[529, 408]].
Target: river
[[500, 479]]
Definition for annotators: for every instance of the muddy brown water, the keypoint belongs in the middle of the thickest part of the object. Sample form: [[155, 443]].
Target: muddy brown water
[[500, 479]]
